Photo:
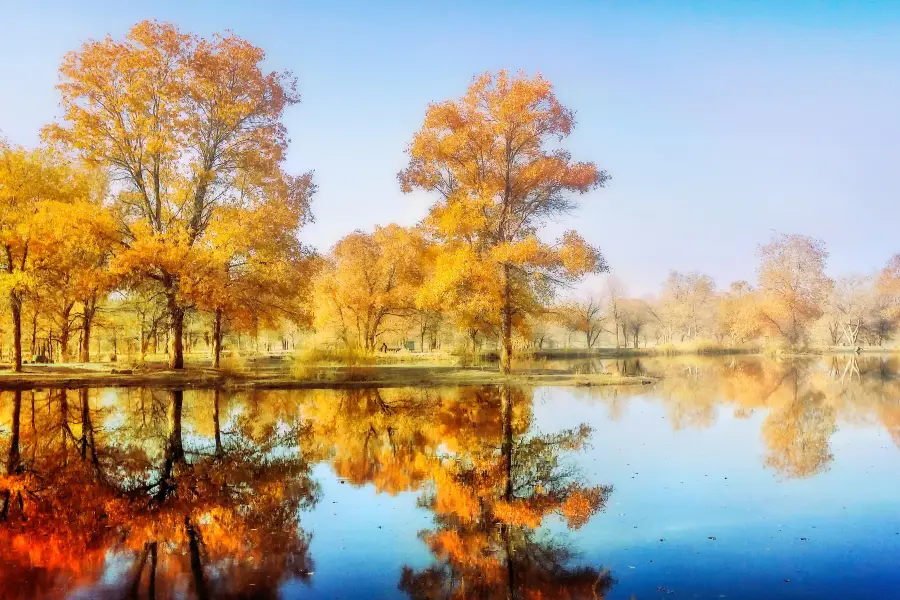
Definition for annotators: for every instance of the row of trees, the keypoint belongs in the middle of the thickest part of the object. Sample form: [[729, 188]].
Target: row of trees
[[160, 201], [477, 260], [171, 148], [162, 185], [793, 303]]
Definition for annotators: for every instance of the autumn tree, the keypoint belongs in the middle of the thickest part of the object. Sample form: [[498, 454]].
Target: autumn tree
[[492, 158], [76, 273], [182, 123], [737, 316], [584, 316], [36, 188], [635, 315], [614, 293], [367, 280], [256, 272], [852, 302], [887, 307], [793, 286], [687, 304]]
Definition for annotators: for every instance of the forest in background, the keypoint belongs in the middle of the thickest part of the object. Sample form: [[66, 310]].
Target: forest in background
[[157, 221]]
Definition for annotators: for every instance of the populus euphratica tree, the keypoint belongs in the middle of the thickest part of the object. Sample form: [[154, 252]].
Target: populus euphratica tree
[[34, 185], [181, 122], [493, 158]]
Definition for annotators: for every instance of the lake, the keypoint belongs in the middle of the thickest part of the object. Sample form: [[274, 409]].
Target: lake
[[733, 477]]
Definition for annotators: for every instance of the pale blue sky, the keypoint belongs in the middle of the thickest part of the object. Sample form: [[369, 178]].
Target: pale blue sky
[[719, 121]]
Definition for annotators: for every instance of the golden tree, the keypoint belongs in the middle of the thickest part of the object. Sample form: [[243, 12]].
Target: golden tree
[[583, 316], [75, 274], [491, 157], [738, 315], [367, 280], [792, 284], [256, 271], [36, 187], [687, 305], [184, 125]]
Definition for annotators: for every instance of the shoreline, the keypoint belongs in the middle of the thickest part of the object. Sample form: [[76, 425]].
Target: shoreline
[[319, 378], [269, 373]]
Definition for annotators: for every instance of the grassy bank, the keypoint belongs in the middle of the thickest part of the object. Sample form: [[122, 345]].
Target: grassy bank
[[705, 350], [311, 377]]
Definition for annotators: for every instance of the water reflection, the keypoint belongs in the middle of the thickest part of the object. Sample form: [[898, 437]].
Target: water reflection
[[158, 494], [117, 499], [802, 399]]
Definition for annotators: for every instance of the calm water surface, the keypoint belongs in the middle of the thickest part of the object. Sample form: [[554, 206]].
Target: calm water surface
[[731, 478]]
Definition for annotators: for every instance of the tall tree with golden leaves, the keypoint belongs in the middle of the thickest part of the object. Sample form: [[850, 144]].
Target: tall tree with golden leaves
[[492, 158], [34, 186], [256, 271], [792, 284], [368, 279], [183, 124]]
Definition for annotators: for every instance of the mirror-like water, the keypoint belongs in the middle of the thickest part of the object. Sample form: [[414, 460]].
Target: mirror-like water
[[730, 478]]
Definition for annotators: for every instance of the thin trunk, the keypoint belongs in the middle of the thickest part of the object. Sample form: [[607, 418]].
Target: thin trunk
[[507, 441], [196, 563], [85, 421], [176, 447], [34, 320], [89, 310], [15, 305], [176, 334], [506, 452], [219, 449], [14, 457], [152, 585], [506, 324], [65, 332], [64, 429], [217, 338]]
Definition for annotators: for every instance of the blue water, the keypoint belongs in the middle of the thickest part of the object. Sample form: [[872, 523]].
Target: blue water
[[714, 483]]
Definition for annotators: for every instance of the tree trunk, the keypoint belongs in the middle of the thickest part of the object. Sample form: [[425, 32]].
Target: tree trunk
[[65, 332], [89, 310], [176, 334], [34, 320], [506, 325], [507, 441], [194, 543], [15, 305], [217, 338], [14, 459], [220, 451]]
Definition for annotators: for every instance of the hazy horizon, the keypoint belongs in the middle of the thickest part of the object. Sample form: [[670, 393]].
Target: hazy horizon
[[718, 124]]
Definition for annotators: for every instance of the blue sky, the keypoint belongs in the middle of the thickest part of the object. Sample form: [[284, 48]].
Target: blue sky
[[718, 121]]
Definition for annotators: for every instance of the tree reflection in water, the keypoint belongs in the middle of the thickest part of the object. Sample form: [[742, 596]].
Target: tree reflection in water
[[160, 494], [168, 518]]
